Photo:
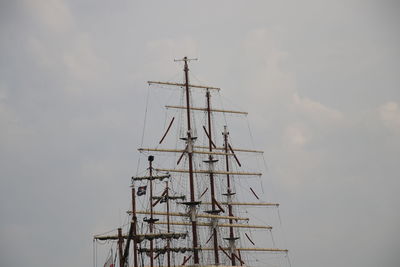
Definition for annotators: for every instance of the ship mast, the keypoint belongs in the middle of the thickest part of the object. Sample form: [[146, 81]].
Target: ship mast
[[120, 244], [229, 195], [168, 226], [211, 162], [210, 218], [152, 220], [190, 141], [134, 219]]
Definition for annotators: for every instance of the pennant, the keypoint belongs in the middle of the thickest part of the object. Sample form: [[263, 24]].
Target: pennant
[[141, 190]]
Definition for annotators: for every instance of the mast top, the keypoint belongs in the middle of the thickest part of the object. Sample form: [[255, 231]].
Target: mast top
[[186, 59]]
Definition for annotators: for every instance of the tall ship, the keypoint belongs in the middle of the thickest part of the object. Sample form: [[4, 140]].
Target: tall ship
[[197, 198]]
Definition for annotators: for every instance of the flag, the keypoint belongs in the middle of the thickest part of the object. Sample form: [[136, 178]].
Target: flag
[[109, 262], [141, 190]]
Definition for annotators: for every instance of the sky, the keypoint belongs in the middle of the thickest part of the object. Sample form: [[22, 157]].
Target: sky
[[320, 80]]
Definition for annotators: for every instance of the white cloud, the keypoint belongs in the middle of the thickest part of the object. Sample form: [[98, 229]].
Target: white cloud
[[3, 93], [162, 51], [54, 14], [12, 130], [390, 115], [297, 134], [8, 118], [41, 53], [82, 61], [314, 109], [273, 91], [64, 48], [271, 83], [264, 56]]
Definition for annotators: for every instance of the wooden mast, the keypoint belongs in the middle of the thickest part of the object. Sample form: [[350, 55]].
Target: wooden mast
[[120, 244], [151, 222], [212, 152], [134, 219], [168, 226], [211, 162], [131, 235], [190, 157], [229, 198]]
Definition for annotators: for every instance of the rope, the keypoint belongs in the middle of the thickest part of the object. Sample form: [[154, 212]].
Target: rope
[[222, 106], [283, 235], [94, 254], [272, 238], [252, 144], [144, 127], [115, 258]]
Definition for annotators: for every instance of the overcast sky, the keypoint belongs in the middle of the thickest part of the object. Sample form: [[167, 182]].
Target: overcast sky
[[320, 79]]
